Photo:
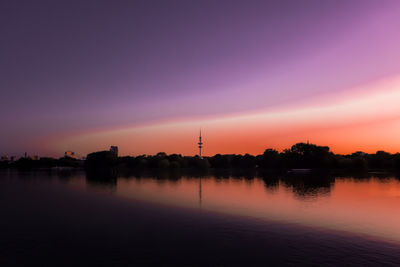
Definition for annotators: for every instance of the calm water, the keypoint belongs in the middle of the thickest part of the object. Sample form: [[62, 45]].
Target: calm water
[[67, 218]]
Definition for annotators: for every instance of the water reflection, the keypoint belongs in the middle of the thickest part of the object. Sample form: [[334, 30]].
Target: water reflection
[[287, 219], [309, 186], [364, 204], [102, 181]]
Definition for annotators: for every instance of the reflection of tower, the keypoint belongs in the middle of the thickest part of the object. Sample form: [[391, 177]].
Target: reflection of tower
[[200, 192], [200, 144]]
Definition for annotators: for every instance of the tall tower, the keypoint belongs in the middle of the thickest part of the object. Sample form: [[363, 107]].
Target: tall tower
[[200, 144]]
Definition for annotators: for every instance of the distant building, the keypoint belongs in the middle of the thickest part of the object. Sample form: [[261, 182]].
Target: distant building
[[4, 158], [13, 158], [114, 149], [36, 157], [69, 154]]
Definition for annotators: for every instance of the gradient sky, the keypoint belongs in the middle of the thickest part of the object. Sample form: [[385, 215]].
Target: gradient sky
[[146, 75]]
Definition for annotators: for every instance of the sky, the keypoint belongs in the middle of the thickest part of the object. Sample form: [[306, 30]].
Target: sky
[[147, 75]]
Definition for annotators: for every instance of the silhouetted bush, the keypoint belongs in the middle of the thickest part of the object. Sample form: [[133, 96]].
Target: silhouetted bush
[[358, 164], [302, 155], [269, 160], [221, 161]]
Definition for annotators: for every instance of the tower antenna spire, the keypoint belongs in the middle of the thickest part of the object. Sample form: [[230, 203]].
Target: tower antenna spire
[[200, 143]]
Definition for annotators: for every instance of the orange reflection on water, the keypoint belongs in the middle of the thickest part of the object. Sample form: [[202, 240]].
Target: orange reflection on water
[[367, 207]]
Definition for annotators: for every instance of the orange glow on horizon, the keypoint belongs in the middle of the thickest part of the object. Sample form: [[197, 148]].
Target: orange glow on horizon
[[367, 122]]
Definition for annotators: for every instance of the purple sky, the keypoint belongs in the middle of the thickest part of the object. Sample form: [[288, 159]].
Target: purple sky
[[71, 66]]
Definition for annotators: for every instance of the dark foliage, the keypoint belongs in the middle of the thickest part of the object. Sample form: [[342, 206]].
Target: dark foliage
[[299, 156], [42, 163]]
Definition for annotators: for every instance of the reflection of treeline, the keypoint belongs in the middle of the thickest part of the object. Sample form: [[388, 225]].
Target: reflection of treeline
[[302, 185], [29, 163], [299, 156]]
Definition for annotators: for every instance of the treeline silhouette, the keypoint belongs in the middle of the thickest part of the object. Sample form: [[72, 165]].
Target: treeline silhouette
[[29, 163], [299, 156]]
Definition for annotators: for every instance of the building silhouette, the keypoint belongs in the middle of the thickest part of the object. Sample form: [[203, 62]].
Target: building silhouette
[[114, 149]]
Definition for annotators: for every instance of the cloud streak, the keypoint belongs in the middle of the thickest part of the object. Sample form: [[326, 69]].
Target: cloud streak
[[369, 119]]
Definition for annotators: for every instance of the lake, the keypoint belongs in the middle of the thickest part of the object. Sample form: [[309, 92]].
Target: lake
[[64, 218]]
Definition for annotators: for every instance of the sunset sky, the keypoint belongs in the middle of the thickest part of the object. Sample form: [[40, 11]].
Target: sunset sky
[[147, 75]]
